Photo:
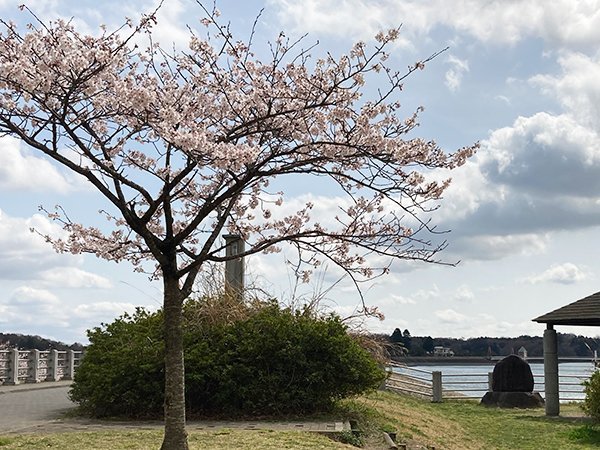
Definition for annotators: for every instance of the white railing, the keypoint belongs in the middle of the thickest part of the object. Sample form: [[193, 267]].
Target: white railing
[[34, 366], [566, 384], [439, 386], [411, 381], [464, 386]]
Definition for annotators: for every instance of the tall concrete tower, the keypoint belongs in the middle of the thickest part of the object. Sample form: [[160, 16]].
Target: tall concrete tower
[[234, 268]]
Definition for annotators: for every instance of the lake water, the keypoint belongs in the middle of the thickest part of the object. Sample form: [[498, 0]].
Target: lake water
[[472, 380]]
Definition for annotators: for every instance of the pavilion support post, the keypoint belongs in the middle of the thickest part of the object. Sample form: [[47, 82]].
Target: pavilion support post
[[551, 371]]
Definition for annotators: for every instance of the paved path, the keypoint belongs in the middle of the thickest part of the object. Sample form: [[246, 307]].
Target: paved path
[[24, 407], [40, 407]]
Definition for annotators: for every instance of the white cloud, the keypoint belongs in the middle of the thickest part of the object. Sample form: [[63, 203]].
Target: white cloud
[[450, 316], [503, 98], [72, 277], [26, 295], [424, 295], [454, 75], [449, 322], [485, 325], [567, 23], [320, 15], [20, 170], [102, 311], [24, 254], [28, 305], [576, 88], [538, 176], [169, 31], [463, 294], [489, 247], [6, 315], [397, 299], [544, 153], [31, 308], [566, 273]]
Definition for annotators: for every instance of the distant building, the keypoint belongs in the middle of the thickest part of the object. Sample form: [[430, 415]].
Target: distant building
[[522, 353], [442, 351]]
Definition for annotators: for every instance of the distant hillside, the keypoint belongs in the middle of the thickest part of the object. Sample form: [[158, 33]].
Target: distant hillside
[[29, 342]]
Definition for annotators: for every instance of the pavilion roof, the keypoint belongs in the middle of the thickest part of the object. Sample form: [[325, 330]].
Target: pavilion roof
[[581, 312]]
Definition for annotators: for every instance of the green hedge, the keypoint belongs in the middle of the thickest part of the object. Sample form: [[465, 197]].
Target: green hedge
[[591, 404], [275, 361]]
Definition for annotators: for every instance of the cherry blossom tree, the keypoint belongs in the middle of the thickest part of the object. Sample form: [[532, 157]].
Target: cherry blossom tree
[[184, 146]]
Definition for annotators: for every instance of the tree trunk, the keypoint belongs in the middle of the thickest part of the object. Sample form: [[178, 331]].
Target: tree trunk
[[175, 435]]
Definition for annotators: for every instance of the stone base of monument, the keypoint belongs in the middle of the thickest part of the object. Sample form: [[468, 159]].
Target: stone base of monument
[[513, 399]]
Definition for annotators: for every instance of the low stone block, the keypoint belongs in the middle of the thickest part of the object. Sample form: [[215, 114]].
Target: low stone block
[[513, 399]]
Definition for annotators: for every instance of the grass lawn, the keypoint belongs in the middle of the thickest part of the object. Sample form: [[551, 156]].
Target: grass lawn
[[148, 439], [466, 425], [454, 425]]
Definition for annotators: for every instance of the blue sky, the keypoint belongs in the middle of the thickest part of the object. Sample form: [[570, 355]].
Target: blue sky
[[520, 77]]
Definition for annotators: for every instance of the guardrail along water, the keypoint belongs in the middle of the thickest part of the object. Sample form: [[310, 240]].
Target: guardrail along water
[[441, 382]]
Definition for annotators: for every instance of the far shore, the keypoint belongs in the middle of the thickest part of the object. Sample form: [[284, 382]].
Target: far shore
[[443, 360], [472, 360]]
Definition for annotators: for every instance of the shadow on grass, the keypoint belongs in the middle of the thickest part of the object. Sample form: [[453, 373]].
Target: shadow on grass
[[586, 434], [559, 419]]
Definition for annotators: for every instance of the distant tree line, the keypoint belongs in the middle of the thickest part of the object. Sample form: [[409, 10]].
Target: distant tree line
[[403, 343], [399, 343], [29, 342]]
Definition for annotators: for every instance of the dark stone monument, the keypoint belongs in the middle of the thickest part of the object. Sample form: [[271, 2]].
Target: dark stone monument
[[512, 374], [512, 385]]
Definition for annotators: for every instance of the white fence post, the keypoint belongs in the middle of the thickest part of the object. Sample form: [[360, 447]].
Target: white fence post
[[13, 366], [436, 379], [70, 368], [53, 365], [34, 368]]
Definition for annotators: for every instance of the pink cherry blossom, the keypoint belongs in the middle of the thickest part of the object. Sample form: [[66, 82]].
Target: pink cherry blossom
[[184, 147]]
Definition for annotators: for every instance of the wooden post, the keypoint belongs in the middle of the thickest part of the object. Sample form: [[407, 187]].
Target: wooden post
[[490, 381], [436, 379], [34, 366]]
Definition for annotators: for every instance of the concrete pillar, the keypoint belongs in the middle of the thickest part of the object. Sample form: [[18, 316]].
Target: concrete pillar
[[234, 268], [13, 365], [70, 369], [436, 379], [34, 361], [551, 371], [53, 365]]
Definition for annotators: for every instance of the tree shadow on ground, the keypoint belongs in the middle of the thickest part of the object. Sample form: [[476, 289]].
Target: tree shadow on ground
[[586, 434], [560, 419]]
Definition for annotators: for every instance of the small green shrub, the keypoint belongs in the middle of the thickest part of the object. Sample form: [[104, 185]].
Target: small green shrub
[[591, 404], [349, 437], [5, 441], [274, 361], [122, 372]]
